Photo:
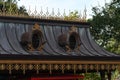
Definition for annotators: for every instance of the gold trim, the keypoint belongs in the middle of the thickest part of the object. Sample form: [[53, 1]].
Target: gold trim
[[10, 68], [37, 68], [67, 67], [97, 67], [24, 68], [73, 29], [74, 68], [102, 66], [30, 47], [51, 65], [36, 27], [2, 67], [63, 68], [17, 67], [68, 49]]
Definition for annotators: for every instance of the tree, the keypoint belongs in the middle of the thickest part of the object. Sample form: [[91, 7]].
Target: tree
[[106, 26], [76, 16], [72, 16], [11, 7], [92, 76]]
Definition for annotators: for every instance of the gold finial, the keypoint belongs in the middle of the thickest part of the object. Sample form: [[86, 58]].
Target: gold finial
[[73, 29], [47, 12], [84, 14], [41, 12], [36, 27], [53, 13], [41, 15], [58, 14], [80, 16], [29, 11], [64, 14], [35, 12]]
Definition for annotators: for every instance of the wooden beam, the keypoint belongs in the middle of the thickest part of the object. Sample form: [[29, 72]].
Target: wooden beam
[[56, 62]]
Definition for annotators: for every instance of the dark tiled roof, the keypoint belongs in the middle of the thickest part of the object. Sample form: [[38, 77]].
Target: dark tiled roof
[[11, 30]]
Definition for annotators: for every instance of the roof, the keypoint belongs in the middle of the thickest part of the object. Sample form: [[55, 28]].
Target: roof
[[12, 29], [31, 44]]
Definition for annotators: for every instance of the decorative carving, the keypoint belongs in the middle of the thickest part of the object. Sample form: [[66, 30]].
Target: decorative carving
[[10, 68], [30, 67], [74, 68], [68, 67], [25, 41], [80, 67], [97, 67], [67, 48], [44, 67], [17, 67], [57, 67], [36, 27], [30, 47], [24, 68], [70, 41], [62, 40], [42, 46], [2, 67], [72, 29], [37, 68], [102, 66], [62, 68], [34, 41]]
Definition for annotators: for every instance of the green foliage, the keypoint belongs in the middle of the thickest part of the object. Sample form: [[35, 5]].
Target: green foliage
[[92, 76], [106, 26], [115, 75], [72, 16], [10, 6]]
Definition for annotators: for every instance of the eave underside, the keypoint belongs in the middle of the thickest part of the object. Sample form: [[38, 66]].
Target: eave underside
[[57, 66]]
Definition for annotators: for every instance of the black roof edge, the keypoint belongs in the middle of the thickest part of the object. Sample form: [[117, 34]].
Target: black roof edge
[[58, 57], [27, 20]]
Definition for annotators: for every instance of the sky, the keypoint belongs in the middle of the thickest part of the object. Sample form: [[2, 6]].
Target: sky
[[67, 5]]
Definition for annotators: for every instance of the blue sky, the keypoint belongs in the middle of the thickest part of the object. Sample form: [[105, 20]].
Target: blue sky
[[68, 5]]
